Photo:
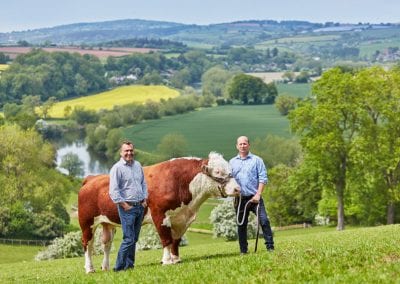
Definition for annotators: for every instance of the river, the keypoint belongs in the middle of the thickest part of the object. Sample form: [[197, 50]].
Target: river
[[92, 164]]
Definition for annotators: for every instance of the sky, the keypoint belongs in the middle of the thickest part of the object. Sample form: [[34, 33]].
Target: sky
[[18, 15]]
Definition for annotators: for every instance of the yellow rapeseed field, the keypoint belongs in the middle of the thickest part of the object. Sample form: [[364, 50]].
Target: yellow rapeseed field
[[3, 67], [118, 96]]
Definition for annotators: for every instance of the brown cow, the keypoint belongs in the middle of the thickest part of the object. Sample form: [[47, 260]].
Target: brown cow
[[176, 189]]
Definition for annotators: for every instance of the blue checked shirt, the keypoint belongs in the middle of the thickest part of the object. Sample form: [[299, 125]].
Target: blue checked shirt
[[249, 172], [127, 182]]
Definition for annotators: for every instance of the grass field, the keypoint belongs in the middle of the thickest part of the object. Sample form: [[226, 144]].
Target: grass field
[[211, 129], [118, 96], [363, 255], [294, 90]]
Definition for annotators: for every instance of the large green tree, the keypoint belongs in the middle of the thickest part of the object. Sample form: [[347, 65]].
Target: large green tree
[[378, 144], [250, 89], [29, 184], [327, 124]]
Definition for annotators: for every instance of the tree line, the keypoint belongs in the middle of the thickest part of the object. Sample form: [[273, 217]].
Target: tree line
[[349, 131]]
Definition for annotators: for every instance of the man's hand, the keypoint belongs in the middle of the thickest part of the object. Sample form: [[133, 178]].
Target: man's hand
[[144, 203], [256, 198], [125, 206]]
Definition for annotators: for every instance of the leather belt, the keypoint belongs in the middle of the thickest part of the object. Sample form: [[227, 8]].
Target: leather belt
[[137, 203]]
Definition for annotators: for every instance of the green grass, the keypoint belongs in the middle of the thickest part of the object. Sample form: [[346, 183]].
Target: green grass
[[362, 255], [17, 253], [203, 215], [211, 129], [294, 90]]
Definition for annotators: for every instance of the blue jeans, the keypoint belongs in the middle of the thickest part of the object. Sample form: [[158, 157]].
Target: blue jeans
[[131, 222], [263, 219]]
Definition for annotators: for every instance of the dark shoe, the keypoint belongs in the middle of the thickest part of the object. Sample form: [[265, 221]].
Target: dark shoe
[[243, 253], [270, 249], [116, 270]]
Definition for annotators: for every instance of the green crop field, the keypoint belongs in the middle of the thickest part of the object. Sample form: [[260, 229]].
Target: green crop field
[[294, 90], [118, 96], [362, 255], [211, 129]]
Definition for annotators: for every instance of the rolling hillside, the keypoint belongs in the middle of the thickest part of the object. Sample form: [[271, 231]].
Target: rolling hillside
[[212, 129]]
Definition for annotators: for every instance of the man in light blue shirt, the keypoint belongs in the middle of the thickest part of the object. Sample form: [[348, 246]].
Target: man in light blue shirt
[[250, 173], [128, 190]]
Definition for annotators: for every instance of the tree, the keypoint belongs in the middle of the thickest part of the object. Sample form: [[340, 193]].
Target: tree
[[248, 89], [72, 164], [172, 146], [4, 58], [47, 105], [380, 129], [275, 150], [214, 81], [327, 124], [285, 103], [83, 116], [28, 179], [288, 200]]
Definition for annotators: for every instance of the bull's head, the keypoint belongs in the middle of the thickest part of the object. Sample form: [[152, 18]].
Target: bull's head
[[219, 170]]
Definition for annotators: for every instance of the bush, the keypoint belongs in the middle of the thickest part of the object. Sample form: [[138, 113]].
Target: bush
[[47, 226], [223, 218], [69, 246]]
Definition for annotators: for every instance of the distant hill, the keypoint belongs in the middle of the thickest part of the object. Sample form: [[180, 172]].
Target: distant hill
[[89, 33], [234, 33]]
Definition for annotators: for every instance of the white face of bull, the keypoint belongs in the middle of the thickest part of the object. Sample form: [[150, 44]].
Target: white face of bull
[[219, 170]]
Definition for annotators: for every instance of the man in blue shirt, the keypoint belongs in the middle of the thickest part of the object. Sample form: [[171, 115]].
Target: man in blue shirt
[[250, 173], [128, 190]]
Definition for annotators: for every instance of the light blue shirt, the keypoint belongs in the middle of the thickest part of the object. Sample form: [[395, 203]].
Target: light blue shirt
[[248, 172], [127, 182]]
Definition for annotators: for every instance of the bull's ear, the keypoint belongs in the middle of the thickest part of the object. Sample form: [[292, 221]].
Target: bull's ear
[[204, 169]]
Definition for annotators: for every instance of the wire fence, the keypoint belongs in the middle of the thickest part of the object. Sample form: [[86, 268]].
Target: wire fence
[[25, 242]]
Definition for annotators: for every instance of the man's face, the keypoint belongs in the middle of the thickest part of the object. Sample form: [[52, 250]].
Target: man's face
[[127, 152], [243, 146]]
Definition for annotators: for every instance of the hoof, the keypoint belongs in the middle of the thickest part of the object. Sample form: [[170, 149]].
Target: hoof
[[167, 262]]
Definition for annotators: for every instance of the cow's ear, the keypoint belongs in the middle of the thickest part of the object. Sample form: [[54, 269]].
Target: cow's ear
[[204, 169]]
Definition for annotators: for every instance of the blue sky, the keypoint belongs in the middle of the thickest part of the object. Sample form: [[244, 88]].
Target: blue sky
[[17, 15]]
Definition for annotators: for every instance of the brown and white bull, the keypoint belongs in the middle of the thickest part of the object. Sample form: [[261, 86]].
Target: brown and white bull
[[176, 189]]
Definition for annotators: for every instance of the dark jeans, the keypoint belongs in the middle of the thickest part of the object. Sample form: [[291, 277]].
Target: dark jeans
[[131, 222], [263, 219]]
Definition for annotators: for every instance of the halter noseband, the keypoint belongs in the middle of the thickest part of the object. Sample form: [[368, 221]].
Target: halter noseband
[[222, 183]]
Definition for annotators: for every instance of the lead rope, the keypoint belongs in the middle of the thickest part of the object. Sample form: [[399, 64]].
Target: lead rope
[[240, 223]]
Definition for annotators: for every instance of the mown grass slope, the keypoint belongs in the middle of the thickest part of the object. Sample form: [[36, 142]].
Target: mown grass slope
[[364, 255], [118, 96]]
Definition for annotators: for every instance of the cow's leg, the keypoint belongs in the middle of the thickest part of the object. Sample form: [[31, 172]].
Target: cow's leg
[[88, 257], [175, 251], [164, 232], [166, 259], [106, 241], [87, 242]]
